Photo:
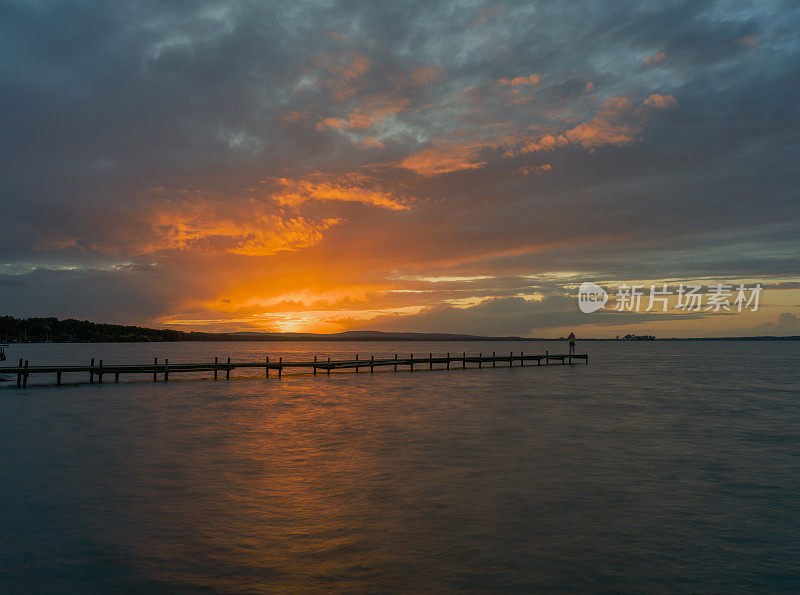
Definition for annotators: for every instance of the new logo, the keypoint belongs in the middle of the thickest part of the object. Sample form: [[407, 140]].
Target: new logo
[[591, 297]]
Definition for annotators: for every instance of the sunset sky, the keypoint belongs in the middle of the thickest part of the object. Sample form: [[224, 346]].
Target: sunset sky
[[410, 166]]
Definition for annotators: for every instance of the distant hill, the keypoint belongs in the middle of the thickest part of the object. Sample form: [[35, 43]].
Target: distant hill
[[83, 331], [35, 330]]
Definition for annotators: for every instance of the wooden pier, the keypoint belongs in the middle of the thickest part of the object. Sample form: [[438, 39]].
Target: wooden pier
[[98, 372]]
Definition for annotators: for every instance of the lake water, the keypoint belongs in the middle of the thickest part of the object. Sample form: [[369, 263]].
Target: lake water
[[657, 467]]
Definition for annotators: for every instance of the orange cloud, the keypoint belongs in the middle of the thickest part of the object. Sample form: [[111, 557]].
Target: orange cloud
[[598, 132], [617, 123], [660, 101], [373, 143], [362, 118], [351, 188], [423, 75], [606, 128], [442, 160], [243, 228], [751, 40], [654, 59], [536, 170], [294, 116], [548, 142], [346, 70], [531, 79]]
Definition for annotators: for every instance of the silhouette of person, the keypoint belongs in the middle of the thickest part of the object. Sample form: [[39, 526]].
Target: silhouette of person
[[571, 343]]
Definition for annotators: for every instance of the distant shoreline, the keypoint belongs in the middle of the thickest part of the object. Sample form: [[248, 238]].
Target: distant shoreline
[[52, 330], [324, 339]]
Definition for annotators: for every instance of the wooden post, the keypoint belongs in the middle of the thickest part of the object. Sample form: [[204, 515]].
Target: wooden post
[[91, 371], [280, 366], [521, 358], [510, 359], [266, 368], [546, 358], [463, 360], [480, 360], [58, 378], [25, 376], [116, 377], [587, 359], [494, 361], [329, 366], [395, 364], [448, 360], [411, 362], [228, 370], [372, 364], [430, 360], [315, 365], [216, 364], [19, 374], [100, 373], [155, 373], [356, 363], [166, 369]]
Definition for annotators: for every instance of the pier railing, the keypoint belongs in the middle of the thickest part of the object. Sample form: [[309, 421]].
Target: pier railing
[[98, 371]]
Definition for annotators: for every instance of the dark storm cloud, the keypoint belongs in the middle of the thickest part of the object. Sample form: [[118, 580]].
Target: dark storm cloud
[[679, 123]]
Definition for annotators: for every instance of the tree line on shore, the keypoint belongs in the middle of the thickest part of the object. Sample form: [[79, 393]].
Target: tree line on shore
[[34, 330]]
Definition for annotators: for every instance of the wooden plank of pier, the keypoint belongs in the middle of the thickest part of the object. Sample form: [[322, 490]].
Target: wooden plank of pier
[[23, 370]]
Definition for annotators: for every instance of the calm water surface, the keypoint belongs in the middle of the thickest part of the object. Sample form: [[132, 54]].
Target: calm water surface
[[657, 467]]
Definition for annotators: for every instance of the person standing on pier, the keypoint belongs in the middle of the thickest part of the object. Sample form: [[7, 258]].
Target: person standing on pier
[[571, 343]]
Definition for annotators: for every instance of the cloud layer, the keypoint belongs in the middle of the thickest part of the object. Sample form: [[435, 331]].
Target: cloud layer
[[307, 166]]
